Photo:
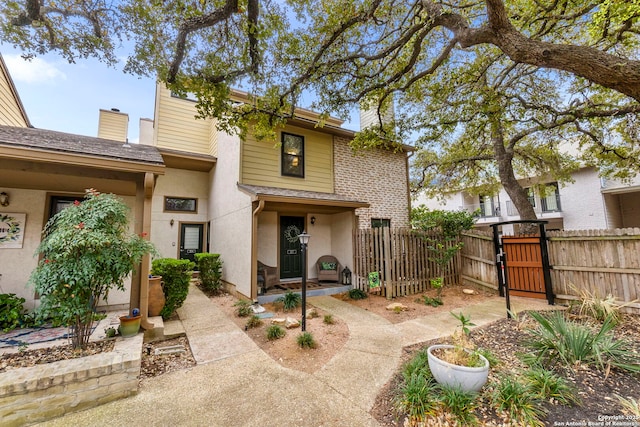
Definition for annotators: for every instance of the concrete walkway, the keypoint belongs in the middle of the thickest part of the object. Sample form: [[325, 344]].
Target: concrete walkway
[[237, 384]]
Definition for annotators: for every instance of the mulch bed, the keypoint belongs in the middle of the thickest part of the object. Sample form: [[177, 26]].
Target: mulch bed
[[503, 338]]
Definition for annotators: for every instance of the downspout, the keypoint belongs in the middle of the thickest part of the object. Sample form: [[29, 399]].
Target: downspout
[[254, 249]]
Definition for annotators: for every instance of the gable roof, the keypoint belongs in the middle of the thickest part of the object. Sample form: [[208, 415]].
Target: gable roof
[[13, 93], [59, 147]]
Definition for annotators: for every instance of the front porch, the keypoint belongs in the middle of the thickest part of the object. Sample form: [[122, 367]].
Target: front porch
[[314, 288]]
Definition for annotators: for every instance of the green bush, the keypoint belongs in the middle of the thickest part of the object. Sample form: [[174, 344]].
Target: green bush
[[210, 267], [290, 301], [357, 294], [328, 319], [519, 400], [243, 308], [11, 311], [548, 385], [176, 275], [460, 404], [253, 322], [275, 332], [305, 340], [418, 397]]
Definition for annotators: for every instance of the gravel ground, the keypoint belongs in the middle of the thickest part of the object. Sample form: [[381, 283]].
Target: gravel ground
[[503, 338]]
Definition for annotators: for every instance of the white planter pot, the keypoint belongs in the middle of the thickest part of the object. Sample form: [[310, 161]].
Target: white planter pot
[[468, 379]]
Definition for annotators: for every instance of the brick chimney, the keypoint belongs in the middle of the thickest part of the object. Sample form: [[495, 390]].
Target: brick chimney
[[113, 125]]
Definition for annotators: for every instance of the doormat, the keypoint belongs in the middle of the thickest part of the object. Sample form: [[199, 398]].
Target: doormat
[[28, 336]]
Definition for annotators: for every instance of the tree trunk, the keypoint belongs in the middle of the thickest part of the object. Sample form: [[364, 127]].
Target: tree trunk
[[504, 158]]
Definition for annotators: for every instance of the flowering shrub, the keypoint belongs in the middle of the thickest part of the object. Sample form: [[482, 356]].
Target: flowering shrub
[[86, 251]]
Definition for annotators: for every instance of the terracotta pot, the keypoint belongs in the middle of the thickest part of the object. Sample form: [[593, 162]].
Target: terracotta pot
[[156, 296], [129, 326]]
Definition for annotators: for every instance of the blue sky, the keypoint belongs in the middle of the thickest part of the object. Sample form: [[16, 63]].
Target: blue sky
[[67, 97]]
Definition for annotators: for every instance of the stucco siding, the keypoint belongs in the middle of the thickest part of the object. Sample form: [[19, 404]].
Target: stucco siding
[[376, 176], [177, 183], [176, 125], [230, 215], [10, 113], [261, 163]]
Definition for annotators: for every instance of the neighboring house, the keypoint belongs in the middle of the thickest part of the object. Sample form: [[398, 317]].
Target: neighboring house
[[249, 199], [196, 189], [589, 202]]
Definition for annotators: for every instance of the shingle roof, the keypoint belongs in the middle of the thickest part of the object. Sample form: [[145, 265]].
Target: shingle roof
[[78, 144], [297, 194]]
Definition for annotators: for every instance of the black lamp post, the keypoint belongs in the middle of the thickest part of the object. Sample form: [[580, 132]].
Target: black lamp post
[[304, 241]]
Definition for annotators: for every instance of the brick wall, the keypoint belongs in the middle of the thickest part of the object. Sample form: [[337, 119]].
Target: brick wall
[[376, 176]]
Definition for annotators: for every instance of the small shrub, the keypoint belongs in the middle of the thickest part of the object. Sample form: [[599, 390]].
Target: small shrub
[[518, 400], [11, 311], [357, 294], [328, 319], [305, 340], [418, 365], [176, 276], [210, 267], [253, 322], [417, 397], [275, 332], [547, 385], [460, 404], [290, 301], [243, 308], [433, 302]]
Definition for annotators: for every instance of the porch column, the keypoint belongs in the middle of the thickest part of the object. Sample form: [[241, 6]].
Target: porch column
[[254, 249], [140, 282]]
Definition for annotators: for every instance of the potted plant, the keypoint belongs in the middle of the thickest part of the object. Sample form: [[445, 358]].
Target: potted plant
[[86, 251], [459, 364], [130, 324]]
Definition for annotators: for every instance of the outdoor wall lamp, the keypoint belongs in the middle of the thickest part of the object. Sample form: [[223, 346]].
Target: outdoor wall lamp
[[4, 199], [171, 222], [313, 220]]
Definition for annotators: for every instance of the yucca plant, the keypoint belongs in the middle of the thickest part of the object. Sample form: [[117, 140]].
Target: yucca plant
[[573, 343], [599, 308]]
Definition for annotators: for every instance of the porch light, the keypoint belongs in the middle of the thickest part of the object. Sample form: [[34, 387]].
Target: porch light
[[4, 199], [304, 241], [346, 276]]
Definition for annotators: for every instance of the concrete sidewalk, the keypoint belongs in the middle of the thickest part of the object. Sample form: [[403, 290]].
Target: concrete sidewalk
[[237, 384]]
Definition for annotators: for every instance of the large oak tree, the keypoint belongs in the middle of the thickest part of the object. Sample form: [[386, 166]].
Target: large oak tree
[[485, 89]]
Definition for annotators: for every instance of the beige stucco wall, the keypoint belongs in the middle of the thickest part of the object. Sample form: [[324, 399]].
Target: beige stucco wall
[[342, 238], [177, 183], [14, 279], [268, 238], [376, 176], [230, 213]]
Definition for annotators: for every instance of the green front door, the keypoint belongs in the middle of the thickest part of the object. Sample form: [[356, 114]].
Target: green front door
[[290, 256]]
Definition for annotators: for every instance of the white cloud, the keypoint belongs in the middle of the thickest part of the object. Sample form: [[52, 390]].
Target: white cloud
[[35, 71]]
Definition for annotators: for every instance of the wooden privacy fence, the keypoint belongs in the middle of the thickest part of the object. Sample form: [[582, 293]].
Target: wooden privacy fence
[[401, 256], [600, 262]]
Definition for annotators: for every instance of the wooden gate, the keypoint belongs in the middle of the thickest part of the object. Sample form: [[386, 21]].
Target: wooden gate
[[524, 268]]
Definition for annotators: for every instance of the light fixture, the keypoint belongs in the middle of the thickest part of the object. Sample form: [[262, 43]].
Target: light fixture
[[313, 220], [4, 199], [304, 241], [171, 222]]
